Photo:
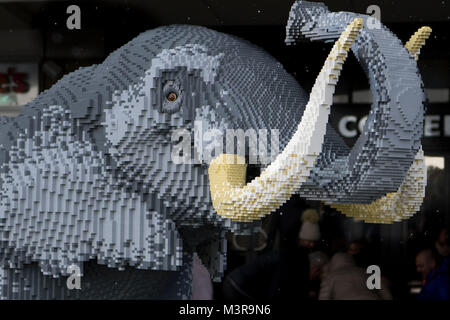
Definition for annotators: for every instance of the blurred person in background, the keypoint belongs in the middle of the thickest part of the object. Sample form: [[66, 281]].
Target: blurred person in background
[[435, 275], [355, 247], [318, 261], [358, 250], [442, 243], [309, 233], [346, 281]]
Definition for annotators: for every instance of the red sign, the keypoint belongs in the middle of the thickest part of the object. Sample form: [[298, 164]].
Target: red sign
[[13, 82]]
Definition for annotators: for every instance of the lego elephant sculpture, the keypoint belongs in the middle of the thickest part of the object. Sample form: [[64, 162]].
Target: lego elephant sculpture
[[105, 172]]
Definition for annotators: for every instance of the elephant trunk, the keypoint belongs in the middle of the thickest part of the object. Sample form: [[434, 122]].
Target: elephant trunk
[[233, 199]]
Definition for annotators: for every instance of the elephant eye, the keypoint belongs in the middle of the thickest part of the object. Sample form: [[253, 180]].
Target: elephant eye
[[172, 96]]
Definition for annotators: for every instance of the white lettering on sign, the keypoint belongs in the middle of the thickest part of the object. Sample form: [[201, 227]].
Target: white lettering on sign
[[343, 127], [431, 125], [350, 127], [361, 123]]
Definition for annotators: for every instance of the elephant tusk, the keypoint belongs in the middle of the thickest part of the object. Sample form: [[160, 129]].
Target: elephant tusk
[[417, 40], [394, 206], [232, 199], [407, 200]]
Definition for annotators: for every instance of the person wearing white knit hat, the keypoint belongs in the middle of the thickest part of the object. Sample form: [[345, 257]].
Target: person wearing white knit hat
[[309, 231]]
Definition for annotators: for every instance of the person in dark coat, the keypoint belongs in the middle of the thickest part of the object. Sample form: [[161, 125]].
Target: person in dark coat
[[442, 242], [435, 275]]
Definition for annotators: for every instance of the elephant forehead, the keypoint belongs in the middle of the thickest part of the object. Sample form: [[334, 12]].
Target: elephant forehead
[[258, 93], [191, 56], [251, 88]]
